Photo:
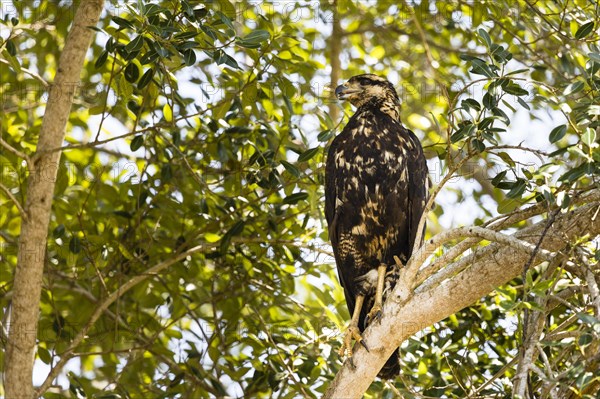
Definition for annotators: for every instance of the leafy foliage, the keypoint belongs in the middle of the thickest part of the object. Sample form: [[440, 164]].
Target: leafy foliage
[[205, 123]]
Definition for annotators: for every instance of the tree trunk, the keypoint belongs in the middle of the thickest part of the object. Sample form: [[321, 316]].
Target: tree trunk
[[495, 265], [40, 190]]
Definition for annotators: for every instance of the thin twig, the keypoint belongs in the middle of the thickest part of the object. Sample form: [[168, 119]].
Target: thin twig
[[14, 200], [29, 72], [16, 152]]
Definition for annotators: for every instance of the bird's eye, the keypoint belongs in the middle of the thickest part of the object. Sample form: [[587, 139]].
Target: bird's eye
[[365, 81]]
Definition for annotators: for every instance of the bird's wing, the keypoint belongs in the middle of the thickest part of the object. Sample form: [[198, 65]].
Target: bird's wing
[[331, 195], [338, 213], [417, 188]]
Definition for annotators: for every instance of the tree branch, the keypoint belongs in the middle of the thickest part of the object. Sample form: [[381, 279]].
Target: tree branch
[[23, 327], [495, 265], [101, 308], [16, 152], [13, 199]]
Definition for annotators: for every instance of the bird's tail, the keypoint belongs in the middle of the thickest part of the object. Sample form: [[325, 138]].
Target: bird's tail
[[391, 368]]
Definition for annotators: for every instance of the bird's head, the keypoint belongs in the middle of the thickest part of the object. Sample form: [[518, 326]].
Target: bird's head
[[368, 88]]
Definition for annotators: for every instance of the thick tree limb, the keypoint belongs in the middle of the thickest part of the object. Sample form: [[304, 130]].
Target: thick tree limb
[[40, 190], [496, 264]]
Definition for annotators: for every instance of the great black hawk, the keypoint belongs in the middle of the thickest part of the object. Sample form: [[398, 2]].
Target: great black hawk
[[375, 193]]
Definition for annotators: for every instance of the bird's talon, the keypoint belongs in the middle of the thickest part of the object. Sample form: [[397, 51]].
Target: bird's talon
[[362, 342], [375, 313], [351, 334]]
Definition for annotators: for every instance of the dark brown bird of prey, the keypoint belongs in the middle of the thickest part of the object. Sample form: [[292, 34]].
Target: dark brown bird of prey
[[375, 193]]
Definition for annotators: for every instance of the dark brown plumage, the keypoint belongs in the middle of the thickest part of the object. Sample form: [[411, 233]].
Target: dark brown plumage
[[375, 193]]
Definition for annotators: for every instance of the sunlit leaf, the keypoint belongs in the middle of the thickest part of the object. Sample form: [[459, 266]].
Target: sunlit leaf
[[167, 112]]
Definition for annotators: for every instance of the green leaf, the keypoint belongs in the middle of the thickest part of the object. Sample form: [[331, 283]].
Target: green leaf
[[518, 189], [518, 71], [189, 57], [575, 173], [290, 168], [146, 78], [59, 231], [498, 178], [490, 101], [507, 158], [161, 51], [135, 45], [219, 111], [101, 59], [11, 48], [508, 205], [151, 56], [470, 103], [478, 145], [239, 130], [325, 135], [14, 63], [124, 251], [168, 112], [308, 154], [220, 57], [515, 89], [573, 88], [523, 103], [294, 198], [75, 245], [584, 30], [464, 131], [137, 142], [481, 68], [594, 57], [587, 318], [254, 39], [166, 173], [123, 23], [557, 133], [501, 115], [132, 72], [588, 137], [152, 9], [211, 237], [44, 355], [186, 35], [485, 36], [225, 19], [585, 339]]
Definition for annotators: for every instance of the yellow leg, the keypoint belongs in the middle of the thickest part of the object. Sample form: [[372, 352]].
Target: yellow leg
[[375, 312], [353, 332]]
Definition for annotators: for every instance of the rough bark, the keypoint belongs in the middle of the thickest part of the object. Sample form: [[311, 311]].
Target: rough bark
[[495, 265], [40, 190]]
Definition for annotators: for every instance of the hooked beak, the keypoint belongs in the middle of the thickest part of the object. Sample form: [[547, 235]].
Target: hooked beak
[[342, 92]]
